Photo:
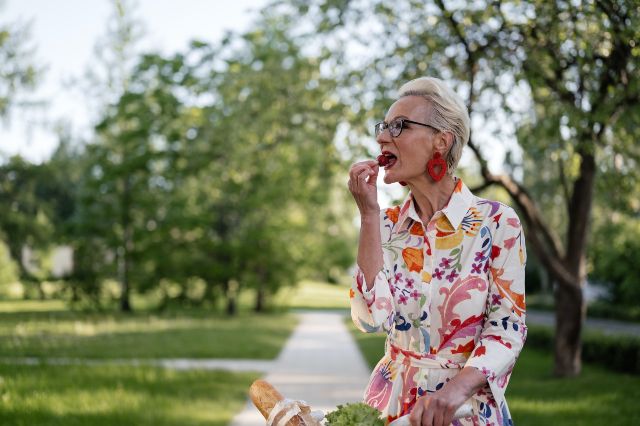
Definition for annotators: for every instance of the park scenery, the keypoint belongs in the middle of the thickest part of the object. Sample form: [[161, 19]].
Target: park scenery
[[188, 229]]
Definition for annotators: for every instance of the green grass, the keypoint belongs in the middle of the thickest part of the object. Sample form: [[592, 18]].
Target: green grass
[[313, 295], [185, 333], [25, 306], [597, 397], [110, 394], [119, 395]]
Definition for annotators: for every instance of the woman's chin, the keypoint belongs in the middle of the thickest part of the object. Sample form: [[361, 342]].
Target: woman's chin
[[390, 178]]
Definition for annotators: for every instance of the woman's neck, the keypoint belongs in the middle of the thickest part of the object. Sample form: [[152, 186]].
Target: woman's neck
[[431, 196]]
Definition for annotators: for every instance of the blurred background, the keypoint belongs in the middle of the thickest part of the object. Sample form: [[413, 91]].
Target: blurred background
[[173, 185]]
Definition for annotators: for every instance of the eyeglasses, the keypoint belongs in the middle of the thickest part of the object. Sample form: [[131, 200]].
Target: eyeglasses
[[396, 126]]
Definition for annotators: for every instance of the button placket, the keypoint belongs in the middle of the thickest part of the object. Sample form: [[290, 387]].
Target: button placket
[[427, 284]]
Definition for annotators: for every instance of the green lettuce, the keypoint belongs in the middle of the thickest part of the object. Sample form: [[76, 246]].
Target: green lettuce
[[353, 414]]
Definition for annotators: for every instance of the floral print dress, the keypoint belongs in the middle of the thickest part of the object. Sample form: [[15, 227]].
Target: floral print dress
[[450, 295]]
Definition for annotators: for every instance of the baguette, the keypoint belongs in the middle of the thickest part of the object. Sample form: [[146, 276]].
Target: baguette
[[265, 397]]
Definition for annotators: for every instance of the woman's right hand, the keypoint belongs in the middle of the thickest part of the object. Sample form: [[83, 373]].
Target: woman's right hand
[[362, 184]]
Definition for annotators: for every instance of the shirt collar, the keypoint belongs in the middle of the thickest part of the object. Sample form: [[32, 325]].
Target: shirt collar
[[455, 210]]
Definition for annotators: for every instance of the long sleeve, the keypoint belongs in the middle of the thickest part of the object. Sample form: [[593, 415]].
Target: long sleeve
[[504, 330], [372, 309]]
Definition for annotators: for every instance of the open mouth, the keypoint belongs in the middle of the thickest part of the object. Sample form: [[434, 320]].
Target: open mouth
[[386, 160]]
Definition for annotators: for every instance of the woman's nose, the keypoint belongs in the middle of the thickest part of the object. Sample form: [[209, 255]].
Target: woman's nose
[[383, 137]]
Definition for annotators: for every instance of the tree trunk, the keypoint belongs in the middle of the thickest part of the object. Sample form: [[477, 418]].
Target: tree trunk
[[41, 294], [125, 305], [232, 307], [232, 288], [127, 244], [570, 314], [263, 276], [570, 304], [75, 297], [260, 299]]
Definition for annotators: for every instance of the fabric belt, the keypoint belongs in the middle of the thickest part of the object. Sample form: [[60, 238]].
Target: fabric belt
[[404, 359]]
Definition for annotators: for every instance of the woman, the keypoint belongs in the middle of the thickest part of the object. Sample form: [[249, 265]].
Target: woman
[[442, 273]]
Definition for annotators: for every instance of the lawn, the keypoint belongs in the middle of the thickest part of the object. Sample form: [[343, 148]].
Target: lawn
[[119, 395], [597, 397], [113, 394], [180, 334]]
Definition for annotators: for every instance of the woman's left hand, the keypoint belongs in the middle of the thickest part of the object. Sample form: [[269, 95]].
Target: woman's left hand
[[438, 408]]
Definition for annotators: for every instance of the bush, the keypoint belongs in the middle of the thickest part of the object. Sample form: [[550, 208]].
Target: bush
[[614, 259], [619, 353], [611, 311], [597, 309]]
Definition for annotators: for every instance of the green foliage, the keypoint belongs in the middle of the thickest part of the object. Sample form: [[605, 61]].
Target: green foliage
[[8, 269], [614, 352], [278, 209], [35, 201], [18, 72], [354, 414], [207, 170], [614, 258], [603, 309]]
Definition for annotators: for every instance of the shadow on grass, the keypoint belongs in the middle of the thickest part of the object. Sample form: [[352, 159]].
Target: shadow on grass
[[171, 335], [112, 395]]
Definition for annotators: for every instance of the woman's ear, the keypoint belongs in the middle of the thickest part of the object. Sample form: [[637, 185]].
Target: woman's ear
[[444, 142]]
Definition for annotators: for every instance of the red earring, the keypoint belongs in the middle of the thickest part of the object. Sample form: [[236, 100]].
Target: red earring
[[437, 161], [403, 183]]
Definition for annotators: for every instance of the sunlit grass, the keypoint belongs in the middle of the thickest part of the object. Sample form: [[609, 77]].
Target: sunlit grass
[[596, 397], [185, 333], [536, 398], [7, 306], [314, 295], [119, 395]]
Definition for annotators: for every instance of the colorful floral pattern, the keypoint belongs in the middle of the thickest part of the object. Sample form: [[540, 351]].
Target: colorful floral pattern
[[452, 289]]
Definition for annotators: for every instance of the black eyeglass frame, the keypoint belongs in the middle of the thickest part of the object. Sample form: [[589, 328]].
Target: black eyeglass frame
[[381, 126]]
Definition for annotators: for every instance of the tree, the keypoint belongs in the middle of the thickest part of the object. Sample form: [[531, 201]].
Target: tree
[[34, 201], [272, 130], [18, 75], [108, 168], [125, 182], [18, 72], [574, 59]]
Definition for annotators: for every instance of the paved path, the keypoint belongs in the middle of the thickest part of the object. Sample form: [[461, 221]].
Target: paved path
[[605, 326], [320, 364]]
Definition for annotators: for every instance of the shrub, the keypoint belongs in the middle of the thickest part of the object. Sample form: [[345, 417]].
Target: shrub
[[618, 353]]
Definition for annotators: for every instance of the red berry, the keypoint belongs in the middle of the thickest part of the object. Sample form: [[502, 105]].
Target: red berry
[[382, 160]]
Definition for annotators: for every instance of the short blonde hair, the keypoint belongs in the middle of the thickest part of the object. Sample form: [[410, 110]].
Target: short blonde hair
[[449, 113]]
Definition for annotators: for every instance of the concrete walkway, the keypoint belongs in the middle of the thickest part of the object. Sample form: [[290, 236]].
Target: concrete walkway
[[319, 364]]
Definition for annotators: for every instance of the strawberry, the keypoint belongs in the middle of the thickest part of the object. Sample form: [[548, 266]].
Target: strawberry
[[382, 160]]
